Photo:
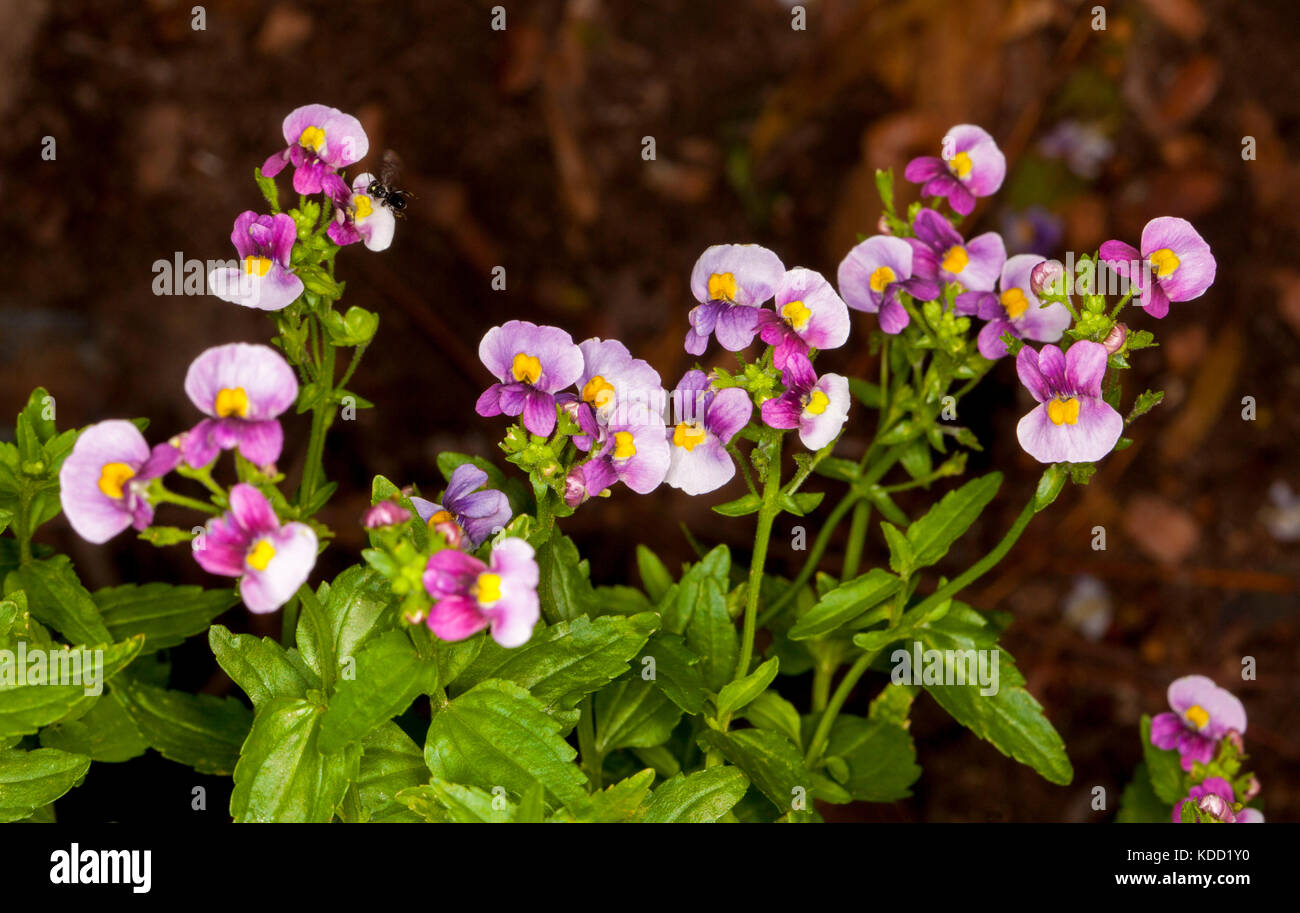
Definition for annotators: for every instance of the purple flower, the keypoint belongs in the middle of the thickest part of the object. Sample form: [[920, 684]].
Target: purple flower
[[1214, 797], [707, 421], [1203, 714], [1175, 263], [244, 389], [940, 254], [809, 314], [263, 280], [636, 455], [1071, 424], [619, 388], [532, 364], [872, 275], [102, 482], [972, 166], [248, 542], [731, 281], [320, 140], [480, 514], [1032, 231], [1016, 310], [470, 595], [817, 407], [360, 217]]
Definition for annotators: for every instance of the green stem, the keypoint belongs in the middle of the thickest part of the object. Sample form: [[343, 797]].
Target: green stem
[[818, 743], [322, 416], [766, 514], [857, 539], [163, 496], [592, 760]]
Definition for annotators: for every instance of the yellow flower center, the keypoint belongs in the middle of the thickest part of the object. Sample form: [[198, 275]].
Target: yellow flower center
[[955, 260], [260, 555], [817, 403], [231, 402], [796, 314], [487, 588], [881, 278], [1063, 412], [689, 435], [598, 392], [113, 477], [1015, 302], [361, 207], [257, 266], [1165, 262], [1197, 716], [624, 445], [960, 165], [526, 368], [441, 516], [312, 138], [722, 287]]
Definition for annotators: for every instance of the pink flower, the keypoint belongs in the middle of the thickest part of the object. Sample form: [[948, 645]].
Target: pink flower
[[470, 595]]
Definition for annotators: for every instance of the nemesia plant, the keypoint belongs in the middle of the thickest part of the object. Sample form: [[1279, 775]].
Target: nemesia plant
[[466, 668]]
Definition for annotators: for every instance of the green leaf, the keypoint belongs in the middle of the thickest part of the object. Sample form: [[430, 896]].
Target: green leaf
[[563, 662], [633, 713], [1139, 803], [678, 610], [698, 798], [741, 507], [770, 760], [166, 615], [357, 605], [622, 802], [389, 675], [1164, 768], [676, 671], [1049, 486], [654, 576], [805, 502], [880, 758], [199, 730], [710, 632], [390, 763], [25, 708], [1011, 720], [30, 780], [260, 666], [498, 734], [916, 459], [563, 586], [902, 557], [845, 603], [282, 776], [106, 733], [893, 704], [867, 393], [57, 598], [737, 694], [771, 711], [268, 188], [933, 534], [838, 469], [463, 804]]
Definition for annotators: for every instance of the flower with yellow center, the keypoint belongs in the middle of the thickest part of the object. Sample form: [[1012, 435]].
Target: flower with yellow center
[[598, 392], [526, 368], [955, 260], [260, 555], [487, 588], [257, 266], [440, 516], [312, 138], [881, 279], [960, 165], [1197, 716], [231, 402], [624, 445], [113, 478], [1063, 412], [1165, 262], [689, 435], [361, 207], [817, 403], [722, 287], [796, 313], [1014, 302]]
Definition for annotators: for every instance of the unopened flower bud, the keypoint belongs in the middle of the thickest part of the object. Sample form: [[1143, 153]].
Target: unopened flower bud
[[1215, 806], [570, 408], [575, 487], [1251, 789], [1116, 338], [1233, 738], [883, 226], [385, 513], [448, 528], [1045, 279]]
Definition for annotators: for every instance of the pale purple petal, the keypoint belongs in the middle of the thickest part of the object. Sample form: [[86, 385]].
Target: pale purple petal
[[817, 429], [756, 271], [295, 555], [730, 411]]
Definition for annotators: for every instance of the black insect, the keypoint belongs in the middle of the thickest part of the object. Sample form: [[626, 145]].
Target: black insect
[[382, 188]]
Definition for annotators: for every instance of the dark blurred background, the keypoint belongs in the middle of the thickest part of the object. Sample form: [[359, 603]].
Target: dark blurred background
[[524, 147]]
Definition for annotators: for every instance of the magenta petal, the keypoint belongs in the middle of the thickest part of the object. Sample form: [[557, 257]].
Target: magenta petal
[[1155, 300], [275, 163], [782, 412], [990, 341], [893, 317], [252, 511], [456, 618], [919, 170], [489, 402], [730, 411], [539, 413], [200, 449], [1165, 729], [261, 442], [1085, 366], [1030, 375]]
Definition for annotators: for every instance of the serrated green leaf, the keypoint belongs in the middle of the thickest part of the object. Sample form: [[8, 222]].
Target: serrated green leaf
[[199, 730], [622, 802], [27, 706], [357, 605], [633, 713], [464, 804], [260, 666], [389, 675], [654, 576], [166, 615], [105, 733], [282, 776], [771, 711], [880, 758], [698, 798], [30, 780], [1139, 803], [563, 585], [676, 671], [902, 556], [771, 761], [390, 763], [57, 598]]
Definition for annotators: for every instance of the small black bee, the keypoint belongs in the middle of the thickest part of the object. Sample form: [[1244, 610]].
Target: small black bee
[[382, 187]]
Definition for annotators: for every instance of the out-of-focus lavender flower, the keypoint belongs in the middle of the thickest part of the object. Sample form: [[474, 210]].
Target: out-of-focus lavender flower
[[1202, 714], [1035, 230], [1088, 607], [1084, 148], [470, 595]]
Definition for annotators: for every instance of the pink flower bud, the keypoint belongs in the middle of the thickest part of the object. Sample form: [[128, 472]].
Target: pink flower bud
[[1233, 737], [1116, 338], [882, 226], [385, 513], [1251, 789], [1216, 807], [1046, 277], [575, 487], [450, 531]]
